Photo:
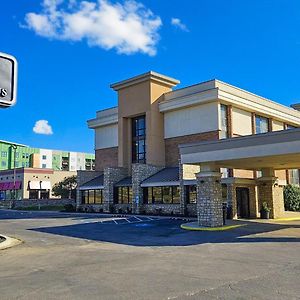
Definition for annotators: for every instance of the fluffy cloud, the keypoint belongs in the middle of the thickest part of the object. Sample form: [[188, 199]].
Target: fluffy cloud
[[177, 23], [42, 127], [129, 27]]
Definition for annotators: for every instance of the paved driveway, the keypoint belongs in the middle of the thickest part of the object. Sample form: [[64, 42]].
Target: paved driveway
[[75, 256]]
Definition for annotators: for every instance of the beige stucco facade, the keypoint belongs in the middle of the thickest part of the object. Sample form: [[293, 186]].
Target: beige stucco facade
[[141, 96]]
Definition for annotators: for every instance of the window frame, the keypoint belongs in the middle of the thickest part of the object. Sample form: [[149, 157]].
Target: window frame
[[138, 137], [259, 117], [160, 200]]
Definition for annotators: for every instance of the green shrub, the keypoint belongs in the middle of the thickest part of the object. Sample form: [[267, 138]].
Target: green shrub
[[69, 207], [292, 197]]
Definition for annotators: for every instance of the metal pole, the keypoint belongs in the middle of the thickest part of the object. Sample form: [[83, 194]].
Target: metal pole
[[15, 151]]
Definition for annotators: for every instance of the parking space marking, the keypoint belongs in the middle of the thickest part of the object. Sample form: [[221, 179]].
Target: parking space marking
[[120, 220]]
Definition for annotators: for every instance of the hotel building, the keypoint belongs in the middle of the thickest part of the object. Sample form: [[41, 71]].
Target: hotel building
[[147, 156]]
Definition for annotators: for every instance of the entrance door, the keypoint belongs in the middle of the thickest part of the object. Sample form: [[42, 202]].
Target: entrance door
[[242, 199]]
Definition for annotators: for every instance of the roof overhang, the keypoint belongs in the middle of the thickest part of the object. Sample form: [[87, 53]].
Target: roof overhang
[[91, 187], [278, 150], [104, 118]]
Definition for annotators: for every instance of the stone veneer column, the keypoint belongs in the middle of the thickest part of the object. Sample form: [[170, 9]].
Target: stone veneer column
[[140, 172], [183, 204], [209, 199], [111, 177], [83, 177], [231, 199]]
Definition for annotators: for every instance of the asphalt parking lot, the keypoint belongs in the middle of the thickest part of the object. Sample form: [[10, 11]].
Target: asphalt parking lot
[[71, 256]]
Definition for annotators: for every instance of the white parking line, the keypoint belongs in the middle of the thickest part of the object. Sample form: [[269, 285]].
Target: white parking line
[[138, 219], [115, 221]]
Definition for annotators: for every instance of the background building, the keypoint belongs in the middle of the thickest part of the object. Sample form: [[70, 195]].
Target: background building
[[21, 156], [30, 183]]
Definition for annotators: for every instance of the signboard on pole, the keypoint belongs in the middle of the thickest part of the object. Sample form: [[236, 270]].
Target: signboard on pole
[[8, 80]]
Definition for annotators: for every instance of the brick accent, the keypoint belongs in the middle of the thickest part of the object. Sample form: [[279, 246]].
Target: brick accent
[[111, 176], [139, 173], [106, 158], [209, 201], [172, 149]]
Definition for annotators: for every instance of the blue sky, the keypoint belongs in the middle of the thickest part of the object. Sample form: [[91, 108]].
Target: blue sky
[[69, 54]]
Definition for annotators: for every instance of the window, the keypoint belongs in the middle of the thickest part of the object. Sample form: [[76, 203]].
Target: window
[[25, 155], [17, 154], [167, 194], [293, 176], [224, 122], [17, 164], [287, 126], [44, 166], [191, 194], [44, 157], [261, 124], [139, 140], [3, 153], [175, 194], [163, 195], [92, 196], [124, 195], [3, 164], [98, 196]]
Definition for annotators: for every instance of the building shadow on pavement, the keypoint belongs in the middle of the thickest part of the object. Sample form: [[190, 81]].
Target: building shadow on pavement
[[167, 232]]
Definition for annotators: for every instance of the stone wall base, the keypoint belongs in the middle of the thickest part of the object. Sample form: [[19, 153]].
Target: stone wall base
[[36, 202], [161, 209]]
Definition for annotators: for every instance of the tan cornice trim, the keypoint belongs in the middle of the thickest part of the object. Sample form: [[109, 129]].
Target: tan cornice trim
[[168, 81]]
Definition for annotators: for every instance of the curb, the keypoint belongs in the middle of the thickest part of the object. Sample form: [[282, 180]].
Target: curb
[[9, 242], [192, 227], [287, 219]]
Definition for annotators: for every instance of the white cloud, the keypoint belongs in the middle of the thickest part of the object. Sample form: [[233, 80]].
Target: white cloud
[[177, 23], [129, 27], [42, 127]]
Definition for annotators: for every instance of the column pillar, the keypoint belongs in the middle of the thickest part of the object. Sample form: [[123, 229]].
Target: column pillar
[[209, 199], [183, 204], [231, 199], [139, 173], [270, 192], [111, 177]]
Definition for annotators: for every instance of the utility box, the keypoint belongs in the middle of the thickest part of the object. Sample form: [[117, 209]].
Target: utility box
[[8, 80]]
